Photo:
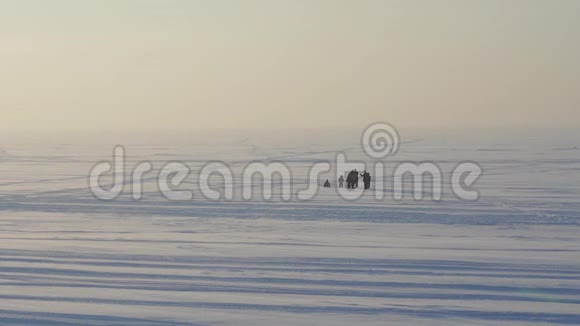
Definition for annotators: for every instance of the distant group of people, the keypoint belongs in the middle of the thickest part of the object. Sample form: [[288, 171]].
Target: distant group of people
[[352, 180]]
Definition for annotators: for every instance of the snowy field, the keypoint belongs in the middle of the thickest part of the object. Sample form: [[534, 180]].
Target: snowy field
[[510, 258]]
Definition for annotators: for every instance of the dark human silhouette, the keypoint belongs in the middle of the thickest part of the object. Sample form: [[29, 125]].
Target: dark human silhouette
[[341, 182], [366, 179], [348, 180], [327, 184], [352, 180]]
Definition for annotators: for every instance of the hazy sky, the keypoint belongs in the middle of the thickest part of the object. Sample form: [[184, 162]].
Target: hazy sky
[[159, 64]]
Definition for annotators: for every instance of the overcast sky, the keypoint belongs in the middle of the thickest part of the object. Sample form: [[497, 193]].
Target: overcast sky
[[171, 64]]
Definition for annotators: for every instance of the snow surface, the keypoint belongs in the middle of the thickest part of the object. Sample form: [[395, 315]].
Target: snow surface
[[510, 258]]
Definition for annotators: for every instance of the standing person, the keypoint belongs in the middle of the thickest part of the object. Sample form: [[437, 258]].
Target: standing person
[[354, 178], [366, 179], [350, 179], [341, 182]]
